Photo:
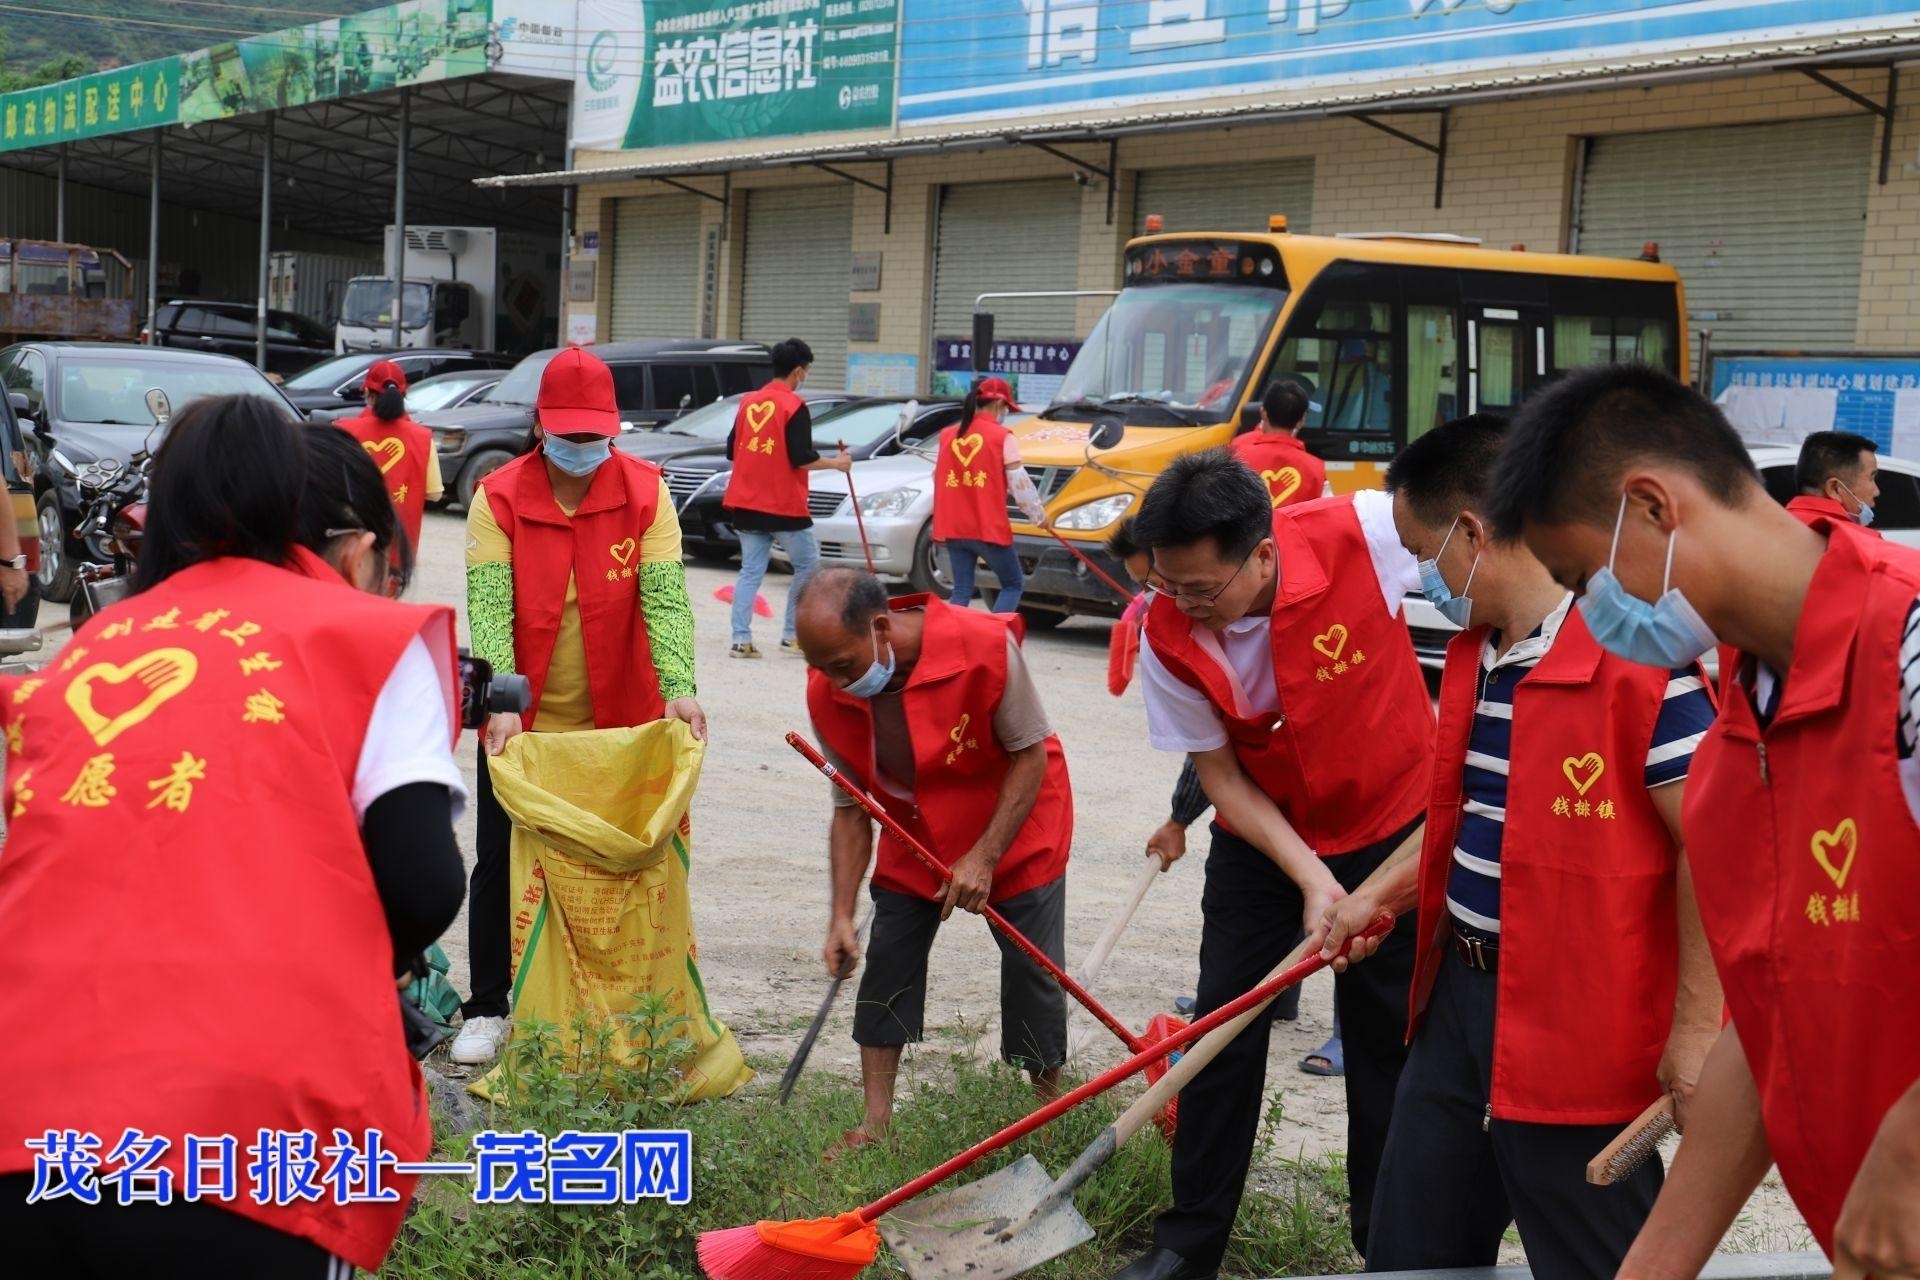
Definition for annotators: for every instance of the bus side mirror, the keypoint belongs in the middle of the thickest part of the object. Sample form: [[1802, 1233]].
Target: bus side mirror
[[1107, 431], [1249, 419], [982, 339]]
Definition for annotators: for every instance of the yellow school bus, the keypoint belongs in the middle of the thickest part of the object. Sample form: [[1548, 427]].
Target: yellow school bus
[[1390, 335]]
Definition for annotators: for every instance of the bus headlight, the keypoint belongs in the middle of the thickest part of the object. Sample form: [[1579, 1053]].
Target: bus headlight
[[890, 502], [1097, 514]]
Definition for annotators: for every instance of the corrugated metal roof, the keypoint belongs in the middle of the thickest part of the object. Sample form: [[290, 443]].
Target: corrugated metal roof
[[1877, 48]]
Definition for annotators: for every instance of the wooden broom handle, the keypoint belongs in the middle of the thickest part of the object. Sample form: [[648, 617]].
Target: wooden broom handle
[[1104, 944]]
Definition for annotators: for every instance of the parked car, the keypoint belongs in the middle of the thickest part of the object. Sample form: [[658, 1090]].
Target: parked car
[[708, 426], [13, 455], [85, 401], [229, 329], [429, 395], [338, 382], [655, 382], [867, 425]]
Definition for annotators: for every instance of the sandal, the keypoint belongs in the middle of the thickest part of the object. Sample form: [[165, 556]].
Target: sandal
[[1328, 1060]]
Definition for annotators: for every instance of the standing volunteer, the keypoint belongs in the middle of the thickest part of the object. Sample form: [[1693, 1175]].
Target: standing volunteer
[[1803, 810], [574, 581], [1273, 450], [771, 448], [931, 710], [1277, 656], [976, 467], [1837, 477], [1551, 879], [283, 789], [399, 446]]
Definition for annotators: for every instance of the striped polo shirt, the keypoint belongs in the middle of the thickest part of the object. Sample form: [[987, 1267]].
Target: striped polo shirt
[[1473, 882]]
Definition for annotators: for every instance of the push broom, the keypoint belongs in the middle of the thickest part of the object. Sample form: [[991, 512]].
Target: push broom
[[839, 1247]]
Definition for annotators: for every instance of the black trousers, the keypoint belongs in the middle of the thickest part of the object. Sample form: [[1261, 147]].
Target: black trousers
[[1251, 919], [1449, 1187], [489, 909]]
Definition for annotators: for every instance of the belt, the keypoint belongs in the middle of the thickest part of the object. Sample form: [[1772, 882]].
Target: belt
[[1479, 950]]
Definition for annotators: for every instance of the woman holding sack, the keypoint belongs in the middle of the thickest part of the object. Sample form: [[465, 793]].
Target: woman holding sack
[[975, 469], [574, 580], [250, 758], [399, 446]]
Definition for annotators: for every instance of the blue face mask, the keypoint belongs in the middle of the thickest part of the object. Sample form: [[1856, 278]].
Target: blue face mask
[[1667, 633], [576, 459], [877, 676], [1455, 609], [1864, 516]]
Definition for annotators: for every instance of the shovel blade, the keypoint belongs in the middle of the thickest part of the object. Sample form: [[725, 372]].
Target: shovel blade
[[955, 1235]]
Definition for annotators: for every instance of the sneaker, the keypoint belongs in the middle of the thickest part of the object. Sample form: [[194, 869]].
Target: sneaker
[[792, 647], [478, 1041], [747, 650]]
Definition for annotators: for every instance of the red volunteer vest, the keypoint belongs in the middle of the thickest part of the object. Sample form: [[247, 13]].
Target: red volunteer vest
[[950, 700], [401, 449], [970, 484], [143, 902], [1807, 508], [1587, 906], [600, 547], [1806, 861], [763, 480], [1292, 474], [1349, 757]]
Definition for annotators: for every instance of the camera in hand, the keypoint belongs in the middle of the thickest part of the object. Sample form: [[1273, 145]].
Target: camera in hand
[[483, 692]]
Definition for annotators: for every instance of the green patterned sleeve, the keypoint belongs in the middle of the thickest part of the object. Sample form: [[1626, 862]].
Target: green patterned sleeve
[[669, 617], [490, 613]]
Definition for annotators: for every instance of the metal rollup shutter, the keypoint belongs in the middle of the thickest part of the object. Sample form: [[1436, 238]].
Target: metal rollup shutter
[[1003, 236], [799, 250], [1226, 198], [1765, 223], [656, 268]]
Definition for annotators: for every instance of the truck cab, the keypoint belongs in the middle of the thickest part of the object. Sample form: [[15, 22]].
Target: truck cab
[[433, 313]]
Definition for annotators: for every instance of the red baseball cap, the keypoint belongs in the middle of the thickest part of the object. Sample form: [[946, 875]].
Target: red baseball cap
[[576, 394], [997, 389], [382, 372]]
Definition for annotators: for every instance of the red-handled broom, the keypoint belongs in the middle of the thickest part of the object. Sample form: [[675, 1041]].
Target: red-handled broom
[[838, 1247], [859, 521]]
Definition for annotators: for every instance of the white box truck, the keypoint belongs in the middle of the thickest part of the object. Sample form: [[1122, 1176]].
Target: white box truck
[[474, 287]]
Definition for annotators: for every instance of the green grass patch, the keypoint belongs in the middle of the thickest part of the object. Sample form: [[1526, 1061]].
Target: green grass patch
[[754, 1159]]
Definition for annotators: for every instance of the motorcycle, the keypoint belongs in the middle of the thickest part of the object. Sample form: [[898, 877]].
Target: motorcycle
[[113, 517]]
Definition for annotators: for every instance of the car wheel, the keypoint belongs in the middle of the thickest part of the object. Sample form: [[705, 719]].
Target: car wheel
[[710, 552], [478, 468], [56, 571], [925, 576], [1039, 619]]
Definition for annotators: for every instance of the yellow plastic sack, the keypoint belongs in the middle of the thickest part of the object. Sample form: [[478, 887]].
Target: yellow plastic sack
[[600, 858]]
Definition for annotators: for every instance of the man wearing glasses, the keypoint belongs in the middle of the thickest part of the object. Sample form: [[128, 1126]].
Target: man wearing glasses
[[1277, 657]]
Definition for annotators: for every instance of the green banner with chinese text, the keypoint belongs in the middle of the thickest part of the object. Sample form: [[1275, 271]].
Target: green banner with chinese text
[[135, 97]]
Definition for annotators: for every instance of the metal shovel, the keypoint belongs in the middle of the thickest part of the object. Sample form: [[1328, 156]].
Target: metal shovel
[[1015, 1218]]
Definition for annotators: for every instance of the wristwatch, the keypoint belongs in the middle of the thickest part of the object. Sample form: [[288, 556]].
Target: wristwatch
[[17, 562]]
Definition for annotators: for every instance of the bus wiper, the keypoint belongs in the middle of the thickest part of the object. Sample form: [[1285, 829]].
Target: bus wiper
[[1175, 412]]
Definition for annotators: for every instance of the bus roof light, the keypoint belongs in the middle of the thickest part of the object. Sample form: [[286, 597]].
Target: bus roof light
[[1155, 224], [1277, 224], [1518, 248], [1650, 251]]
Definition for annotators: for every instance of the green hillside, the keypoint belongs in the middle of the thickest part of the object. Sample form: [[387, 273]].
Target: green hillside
[[109, 33]]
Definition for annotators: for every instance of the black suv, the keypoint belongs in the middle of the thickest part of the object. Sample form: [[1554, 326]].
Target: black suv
[[227, 329], [654, 382]]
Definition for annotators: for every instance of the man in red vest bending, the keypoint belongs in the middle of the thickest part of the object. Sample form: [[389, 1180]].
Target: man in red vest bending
[[1277, 657], [771, 448], [1551, 881], [930, 709], [1274, 453], [1803, 807], [1837, 477]]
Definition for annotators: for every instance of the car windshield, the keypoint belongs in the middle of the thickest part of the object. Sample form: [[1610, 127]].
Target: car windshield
[[521, 386], [1172, 353], [112, 391], [369, 305], [709, 422], [857, 424], [328, 374], [439, 393]]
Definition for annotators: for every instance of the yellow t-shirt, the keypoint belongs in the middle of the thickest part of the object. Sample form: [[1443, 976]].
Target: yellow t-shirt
[[566, 703]]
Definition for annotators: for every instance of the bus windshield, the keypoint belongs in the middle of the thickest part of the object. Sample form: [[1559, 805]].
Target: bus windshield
[[1171, 354]]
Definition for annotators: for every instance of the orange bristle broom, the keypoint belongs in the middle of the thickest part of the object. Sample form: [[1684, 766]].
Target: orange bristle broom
[[839, 1247]]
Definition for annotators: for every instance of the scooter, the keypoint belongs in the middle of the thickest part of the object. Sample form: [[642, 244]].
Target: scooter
[[113, 518]]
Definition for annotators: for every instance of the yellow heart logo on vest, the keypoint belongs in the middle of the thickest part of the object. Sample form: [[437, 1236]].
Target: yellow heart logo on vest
[[1282, 484], [386, 451], [967, 448], [1332, 642], [1846, 838], [623, 550], [164, 674], [959, 732], [759, 414], [1583, 771]]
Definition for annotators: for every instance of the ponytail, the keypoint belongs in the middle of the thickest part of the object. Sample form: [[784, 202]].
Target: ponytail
[[970, 407], [390, 404]]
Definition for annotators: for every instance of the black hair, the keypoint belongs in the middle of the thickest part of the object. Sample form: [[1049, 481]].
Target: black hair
[[226, 481], [345, 491], [790, 355], [391, 403], [1122, 543], [1825, 455], [861, 596], [1448, 469], [1573, 441], [1210, 494], [1285, 404]]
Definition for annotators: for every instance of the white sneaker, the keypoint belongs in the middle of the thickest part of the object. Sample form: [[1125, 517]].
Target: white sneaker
[[478, 1041]]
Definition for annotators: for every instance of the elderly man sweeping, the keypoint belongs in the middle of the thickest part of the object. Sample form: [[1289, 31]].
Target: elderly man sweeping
[[931, 710]]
